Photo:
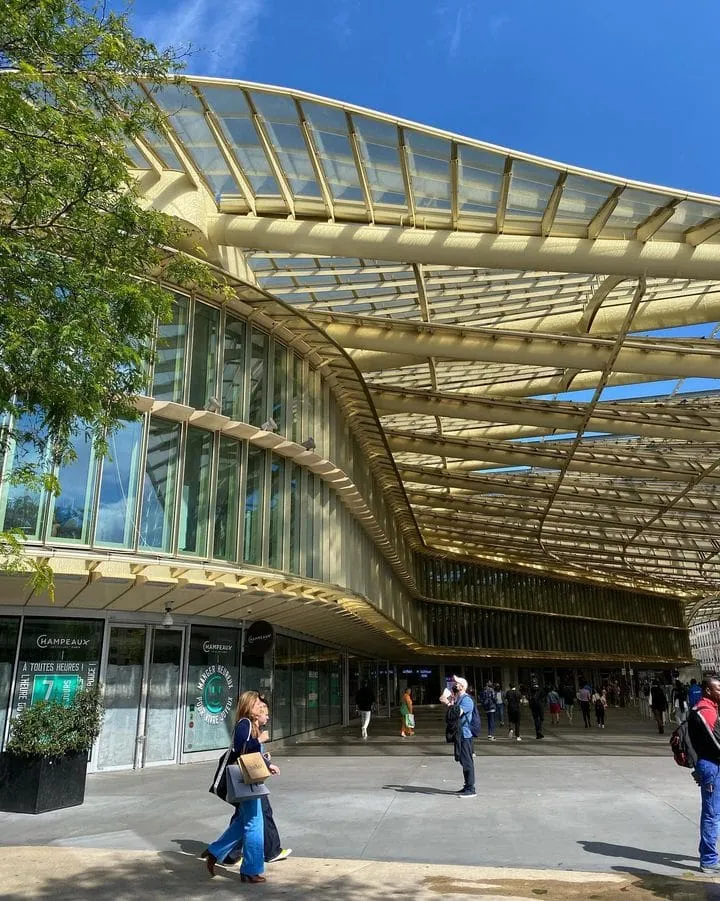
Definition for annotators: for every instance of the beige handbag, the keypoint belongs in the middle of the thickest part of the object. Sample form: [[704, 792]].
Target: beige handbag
[[253, 767]]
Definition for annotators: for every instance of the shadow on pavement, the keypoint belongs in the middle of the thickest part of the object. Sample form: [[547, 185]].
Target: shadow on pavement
[[172, 876], [420, 789], [666, 859]]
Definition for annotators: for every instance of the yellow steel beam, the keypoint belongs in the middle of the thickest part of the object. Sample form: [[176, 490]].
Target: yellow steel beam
[[606, 256]]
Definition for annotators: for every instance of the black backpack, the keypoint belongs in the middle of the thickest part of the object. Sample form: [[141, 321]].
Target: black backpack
[[681, 746], [452, 723], [475, 723]]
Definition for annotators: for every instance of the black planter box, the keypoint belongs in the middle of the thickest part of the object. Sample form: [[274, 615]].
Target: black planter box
[[38, 784]]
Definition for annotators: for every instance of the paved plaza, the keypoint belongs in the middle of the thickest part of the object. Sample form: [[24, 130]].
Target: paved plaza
[[584, 814]]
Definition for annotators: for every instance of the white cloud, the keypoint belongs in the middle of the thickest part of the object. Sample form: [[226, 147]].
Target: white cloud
[[219, 34]]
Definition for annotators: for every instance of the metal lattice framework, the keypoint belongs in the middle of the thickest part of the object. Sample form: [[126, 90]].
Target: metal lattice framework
[[539, 341]]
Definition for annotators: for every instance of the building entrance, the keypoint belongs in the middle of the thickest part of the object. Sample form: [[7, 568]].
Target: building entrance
[[142, 697]]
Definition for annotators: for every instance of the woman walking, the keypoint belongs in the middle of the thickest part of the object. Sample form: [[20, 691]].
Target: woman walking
[[246, 826], [407, 726]]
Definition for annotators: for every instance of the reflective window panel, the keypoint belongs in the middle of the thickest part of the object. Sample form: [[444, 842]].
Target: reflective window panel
[[119, 486], [159, 483], [233, 369], [203, 368], [227, 500], [170, 353], [254, 496], [195, 497], [71, 510]]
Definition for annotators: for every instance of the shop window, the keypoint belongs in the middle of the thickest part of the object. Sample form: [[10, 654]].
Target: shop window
[[170, 353], [159, 483], [282, 688], [227, 500], [9, 630], [336, 689], [119, 487], [212, 687], [195, 499], [57, 658], [203, 368], [298, 721]]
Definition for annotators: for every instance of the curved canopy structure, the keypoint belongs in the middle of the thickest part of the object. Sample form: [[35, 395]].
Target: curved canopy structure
[[540, 342]]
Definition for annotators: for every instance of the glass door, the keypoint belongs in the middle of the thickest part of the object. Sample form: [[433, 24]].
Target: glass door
[[163, 696], [119, 740], [142, 697]]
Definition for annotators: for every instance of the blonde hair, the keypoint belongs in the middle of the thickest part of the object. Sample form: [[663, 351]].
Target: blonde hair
[[244, 709]]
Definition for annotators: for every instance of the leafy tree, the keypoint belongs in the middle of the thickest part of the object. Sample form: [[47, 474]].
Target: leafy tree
[[77, 249]]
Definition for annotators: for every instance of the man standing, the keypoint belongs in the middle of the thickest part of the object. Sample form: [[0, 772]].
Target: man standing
[[487, 702], [463, 739], [364, 701], [658, 705], [704, 735]]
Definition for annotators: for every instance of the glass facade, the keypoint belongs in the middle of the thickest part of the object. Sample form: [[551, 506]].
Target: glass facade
[[173, 490]]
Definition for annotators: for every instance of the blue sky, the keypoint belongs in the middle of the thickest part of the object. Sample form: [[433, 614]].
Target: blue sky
[[627, 87]]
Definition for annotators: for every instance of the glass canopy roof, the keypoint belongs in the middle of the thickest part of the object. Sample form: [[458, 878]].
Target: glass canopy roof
[[564, 410]]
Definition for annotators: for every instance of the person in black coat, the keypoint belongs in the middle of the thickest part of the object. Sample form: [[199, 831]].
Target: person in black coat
[[658, 705]]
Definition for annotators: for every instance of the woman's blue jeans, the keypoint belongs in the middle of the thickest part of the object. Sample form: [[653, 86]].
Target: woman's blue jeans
[[245, 826], [708, 775]]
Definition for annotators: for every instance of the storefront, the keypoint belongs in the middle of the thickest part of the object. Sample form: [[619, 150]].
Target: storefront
[[170, 691]]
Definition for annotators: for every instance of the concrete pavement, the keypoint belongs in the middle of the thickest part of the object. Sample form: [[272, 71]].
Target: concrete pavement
[[583, 814]]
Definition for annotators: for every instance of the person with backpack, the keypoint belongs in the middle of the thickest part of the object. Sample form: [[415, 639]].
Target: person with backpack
[[463, 738], [600, 703], [694, 693], [703, 732], [512, 703], [488, 704]]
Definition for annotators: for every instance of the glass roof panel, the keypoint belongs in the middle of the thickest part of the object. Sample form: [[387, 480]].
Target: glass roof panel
[[689, 213], [429, 162], [479, 180], [581, 199], [330, 133], [280, 116], [187, 117], [530, 189], [233, 113], [137, 159], [634, 207], [381, 157]]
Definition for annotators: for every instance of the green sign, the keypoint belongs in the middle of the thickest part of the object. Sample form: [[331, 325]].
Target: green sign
[[59, 689]]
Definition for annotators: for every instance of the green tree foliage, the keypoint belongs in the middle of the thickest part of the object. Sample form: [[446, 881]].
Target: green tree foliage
[[77, 249]]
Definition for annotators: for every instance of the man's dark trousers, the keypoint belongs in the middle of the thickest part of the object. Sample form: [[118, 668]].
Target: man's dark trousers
[[464, 756]]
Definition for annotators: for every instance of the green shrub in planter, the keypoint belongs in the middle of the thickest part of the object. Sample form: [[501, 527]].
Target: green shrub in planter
[[49, 729], [44, 765]]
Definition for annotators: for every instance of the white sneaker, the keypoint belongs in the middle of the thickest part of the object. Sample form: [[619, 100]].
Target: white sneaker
[[491, 738], [518, 738], [284, 853], [511, 733]]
